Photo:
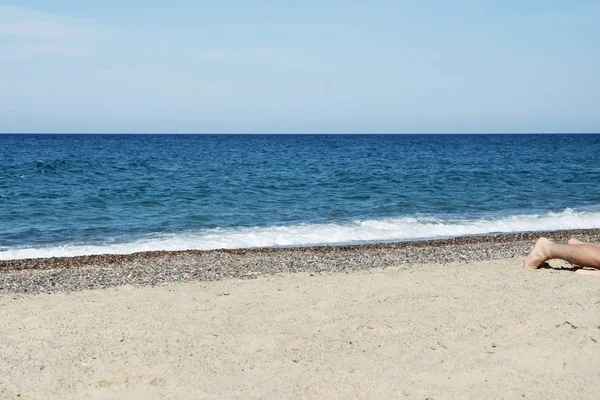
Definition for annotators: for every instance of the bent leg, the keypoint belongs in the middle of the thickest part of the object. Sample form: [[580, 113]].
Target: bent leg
[[574, 241], [585, 255]]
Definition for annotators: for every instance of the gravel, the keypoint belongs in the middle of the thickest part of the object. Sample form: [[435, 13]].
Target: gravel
[[49, 275]]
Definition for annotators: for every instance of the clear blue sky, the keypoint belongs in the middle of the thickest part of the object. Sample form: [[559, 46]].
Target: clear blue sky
[[299, 66]]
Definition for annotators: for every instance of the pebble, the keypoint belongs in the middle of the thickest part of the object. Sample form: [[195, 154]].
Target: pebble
[[152, 268]]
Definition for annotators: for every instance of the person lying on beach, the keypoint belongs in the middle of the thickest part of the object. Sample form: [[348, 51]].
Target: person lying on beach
[[578, 253]]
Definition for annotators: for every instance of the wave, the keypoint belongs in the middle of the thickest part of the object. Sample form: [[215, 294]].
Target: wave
[[369, 231]]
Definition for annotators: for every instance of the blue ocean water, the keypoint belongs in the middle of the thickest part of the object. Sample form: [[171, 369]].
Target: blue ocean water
[[84, 194]]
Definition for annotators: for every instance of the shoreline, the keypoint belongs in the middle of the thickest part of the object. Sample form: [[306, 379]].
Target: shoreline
[[41, 275], [450, 318]]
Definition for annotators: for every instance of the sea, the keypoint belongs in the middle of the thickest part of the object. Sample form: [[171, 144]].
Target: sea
[[70, 195]]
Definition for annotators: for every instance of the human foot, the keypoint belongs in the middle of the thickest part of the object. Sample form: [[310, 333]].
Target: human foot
[[538, 254], [575, 241]]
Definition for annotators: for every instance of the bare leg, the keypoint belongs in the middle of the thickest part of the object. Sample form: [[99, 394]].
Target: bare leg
[[574, 241], [585, 255]]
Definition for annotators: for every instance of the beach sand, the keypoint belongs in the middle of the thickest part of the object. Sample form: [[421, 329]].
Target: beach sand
[[474, 325]]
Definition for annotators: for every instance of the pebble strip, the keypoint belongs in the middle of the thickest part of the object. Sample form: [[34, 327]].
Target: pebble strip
[[151, 268]]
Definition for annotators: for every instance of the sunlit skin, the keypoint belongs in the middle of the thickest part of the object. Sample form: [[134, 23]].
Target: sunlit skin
[[575, 252]]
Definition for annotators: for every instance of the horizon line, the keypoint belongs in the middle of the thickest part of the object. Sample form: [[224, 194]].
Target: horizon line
[[299, 133]]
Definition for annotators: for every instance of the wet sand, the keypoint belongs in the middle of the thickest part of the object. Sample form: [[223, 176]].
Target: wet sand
[[458, 318]]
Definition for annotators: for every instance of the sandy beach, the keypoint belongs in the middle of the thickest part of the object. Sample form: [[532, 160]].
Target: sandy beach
[[459, 318]]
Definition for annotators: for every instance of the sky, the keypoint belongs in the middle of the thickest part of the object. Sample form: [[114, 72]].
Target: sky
[[267, 66]]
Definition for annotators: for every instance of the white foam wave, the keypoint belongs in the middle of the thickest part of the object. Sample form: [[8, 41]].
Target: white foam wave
[[408, 228]]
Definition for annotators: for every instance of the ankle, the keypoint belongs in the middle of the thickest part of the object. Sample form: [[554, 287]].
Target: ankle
[[546, 250]]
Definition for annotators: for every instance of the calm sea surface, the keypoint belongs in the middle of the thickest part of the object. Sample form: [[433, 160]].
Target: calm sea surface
[[86, 194]]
